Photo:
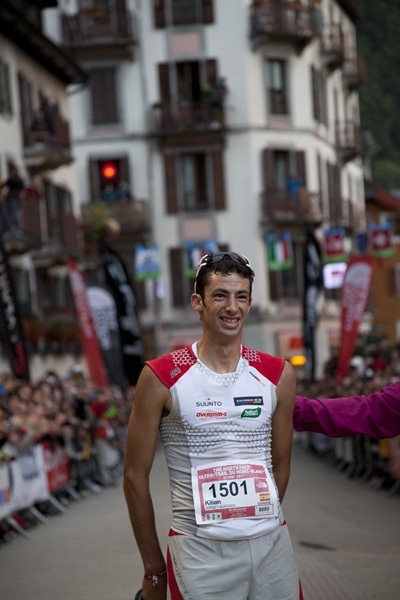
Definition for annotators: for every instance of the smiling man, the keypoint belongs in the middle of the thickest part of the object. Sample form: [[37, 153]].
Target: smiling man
[[224, 414]]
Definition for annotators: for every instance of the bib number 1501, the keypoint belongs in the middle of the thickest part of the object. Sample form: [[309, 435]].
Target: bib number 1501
[[224, 489]]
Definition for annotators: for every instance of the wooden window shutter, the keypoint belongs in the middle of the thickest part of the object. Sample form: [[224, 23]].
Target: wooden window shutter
[[391, 281], [94, 178], [163, 80], [104, 96], [211, 71], [315, 94], [159, 13], [301, 166], [124, 170], [268, 169], [208, 11], [337, 184], [218, 179], [274, 277], [171, 190], [177, 281]]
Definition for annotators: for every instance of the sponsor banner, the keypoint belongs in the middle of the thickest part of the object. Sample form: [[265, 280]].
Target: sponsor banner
[[354, 295], [380, 240], [5, 496], [104, 312], [56, 465], [117, 280], [194, 253], [147, 262], [10, 320], [333, 245], [280, 251], [312, 284], [89, 339], [28, 479]]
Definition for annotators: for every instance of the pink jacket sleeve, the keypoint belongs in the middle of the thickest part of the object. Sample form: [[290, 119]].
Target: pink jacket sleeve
[[376, 415]]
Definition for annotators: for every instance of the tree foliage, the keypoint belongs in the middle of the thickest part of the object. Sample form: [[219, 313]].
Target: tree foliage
[[379, 40]]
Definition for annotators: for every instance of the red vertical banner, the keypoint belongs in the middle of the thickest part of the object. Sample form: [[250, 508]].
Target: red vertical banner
[[90, 344], [354, 295]]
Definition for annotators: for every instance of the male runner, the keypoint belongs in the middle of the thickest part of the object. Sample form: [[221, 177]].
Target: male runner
[[225, 416]]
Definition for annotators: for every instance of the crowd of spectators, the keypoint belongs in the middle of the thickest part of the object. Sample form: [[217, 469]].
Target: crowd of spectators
[[375, 364], [89, 422]]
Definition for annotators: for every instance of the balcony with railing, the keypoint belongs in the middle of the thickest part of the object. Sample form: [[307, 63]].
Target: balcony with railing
[[332, 46], [354, 71], [97, 30], [47, 150], [348, 140], [281, 206], [282, 21], [205, 118], [132, 216], [30, 235]]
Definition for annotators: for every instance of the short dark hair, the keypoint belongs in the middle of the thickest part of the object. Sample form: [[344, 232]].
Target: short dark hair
[[223, 263]]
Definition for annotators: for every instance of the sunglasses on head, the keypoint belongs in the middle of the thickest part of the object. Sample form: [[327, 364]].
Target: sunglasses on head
[[214, 257]]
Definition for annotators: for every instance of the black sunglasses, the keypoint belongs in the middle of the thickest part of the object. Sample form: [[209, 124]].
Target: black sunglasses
[[215, 257]]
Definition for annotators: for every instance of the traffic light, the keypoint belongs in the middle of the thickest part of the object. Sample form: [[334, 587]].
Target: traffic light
[[110, 179], [109, 170]]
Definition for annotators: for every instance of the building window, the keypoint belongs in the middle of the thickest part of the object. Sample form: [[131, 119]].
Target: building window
[[104, 95], [58, 205], [277, 87], [110, 179], [182, 12], [288, 284], [5, 89], [25, 93], [194, 181], [319, 95]]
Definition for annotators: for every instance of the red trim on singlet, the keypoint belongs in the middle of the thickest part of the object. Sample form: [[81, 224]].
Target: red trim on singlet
[[170, 367], [172, 583]]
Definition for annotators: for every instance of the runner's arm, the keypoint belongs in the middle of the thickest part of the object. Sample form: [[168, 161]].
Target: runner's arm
[[376, 415], [150, 401], [282, 429]]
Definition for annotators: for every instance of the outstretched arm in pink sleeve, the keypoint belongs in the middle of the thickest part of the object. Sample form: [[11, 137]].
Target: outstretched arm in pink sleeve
[[376, 415]]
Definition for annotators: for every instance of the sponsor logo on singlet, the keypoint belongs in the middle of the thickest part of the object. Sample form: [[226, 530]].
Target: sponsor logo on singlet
[[248, 400], [251, 413], [211, 414]]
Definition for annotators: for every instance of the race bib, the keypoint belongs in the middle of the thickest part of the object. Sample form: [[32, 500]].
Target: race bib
[[229, 490]]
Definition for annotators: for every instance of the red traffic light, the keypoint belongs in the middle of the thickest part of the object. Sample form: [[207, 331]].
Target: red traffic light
[[109, 170]]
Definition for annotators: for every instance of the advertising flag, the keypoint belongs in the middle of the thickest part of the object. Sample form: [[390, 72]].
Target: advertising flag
[[333, 247], [89, 339], [312, 284], [104, 311], [380, 239], [147, 262], [280, 251], [11, 325], [195, 251], [117, 280], [354, 295]]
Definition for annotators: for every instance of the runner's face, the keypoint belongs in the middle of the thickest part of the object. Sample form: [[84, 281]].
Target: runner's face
[[226, 304]]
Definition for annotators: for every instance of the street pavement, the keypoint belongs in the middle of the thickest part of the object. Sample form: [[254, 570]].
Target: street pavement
[[346, 538]]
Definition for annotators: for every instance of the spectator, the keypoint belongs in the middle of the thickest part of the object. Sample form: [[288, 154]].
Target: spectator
[[11, 204]]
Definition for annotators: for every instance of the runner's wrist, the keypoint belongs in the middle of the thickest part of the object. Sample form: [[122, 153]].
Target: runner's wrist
[[155, 576]]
